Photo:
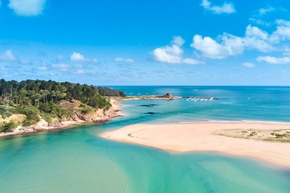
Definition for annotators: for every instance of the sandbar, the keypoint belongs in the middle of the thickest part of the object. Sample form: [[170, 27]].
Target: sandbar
[[212, 137]]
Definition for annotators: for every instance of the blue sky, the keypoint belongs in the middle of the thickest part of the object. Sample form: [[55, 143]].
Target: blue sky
[[134, 42]]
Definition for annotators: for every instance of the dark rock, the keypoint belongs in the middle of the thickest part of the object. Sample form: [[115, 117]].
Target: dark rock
[[150, 113], [149, 105], [169, 96]]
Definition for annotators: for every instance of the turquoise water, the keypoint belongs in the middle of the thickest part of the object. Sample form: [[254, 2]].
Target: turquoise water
[[77, 160]]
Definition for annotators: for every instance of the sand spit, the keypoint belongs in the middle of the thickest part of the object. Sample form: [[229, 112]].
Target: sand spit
[[249, 139]]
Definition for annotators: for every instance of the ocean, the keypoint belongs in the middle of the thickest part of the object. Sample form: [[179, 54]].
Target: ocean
[[77, 160]]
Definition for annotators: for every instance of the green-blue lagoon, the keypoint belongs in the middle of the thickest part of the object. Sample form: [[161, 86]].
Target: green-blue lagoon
[[78, 160]]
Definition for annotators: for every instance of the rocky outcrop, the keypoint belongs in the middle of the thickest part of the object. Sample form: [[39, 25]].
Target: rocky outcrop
[[168, 96]]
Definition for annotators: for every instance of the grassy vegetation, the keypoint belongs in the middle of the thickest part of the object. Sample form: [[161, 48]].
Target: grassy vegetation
[[31, 113], [281, 135], [7, 126]]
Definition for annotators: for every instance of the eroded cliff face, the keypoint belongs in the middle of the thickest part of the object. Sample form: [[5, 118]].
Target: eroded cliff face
[[99, 115], [77, 114], [80, 113]]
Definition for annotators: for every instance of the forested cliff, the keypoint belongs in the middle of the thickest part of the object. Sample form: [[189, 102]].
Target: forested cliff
[[50, 100]]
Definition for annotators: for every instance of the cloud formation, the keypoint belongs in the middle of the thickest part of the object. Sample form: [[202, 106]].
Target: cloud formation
[[127, 60], [177, 40], [27, 7], [249, 65], [224, 8], [274, 60], [266, 10], [8, 56], [173, 54], [168, 54], [78, 57], [210, 48], [254, 39]]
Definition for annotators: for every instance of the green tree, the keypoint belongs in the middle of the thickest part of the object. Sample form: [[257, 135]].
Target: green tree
[[7, 126]]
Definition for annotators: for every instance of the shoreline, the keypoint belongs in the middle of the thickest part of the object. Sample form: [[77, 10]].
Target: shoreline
[[114, 112], [31, 130], [199, 137]]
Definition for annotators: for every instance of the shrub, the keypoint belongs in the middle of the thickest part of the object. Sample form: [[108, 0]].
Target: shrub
[[7, 127], [84, 108], [31, 113]]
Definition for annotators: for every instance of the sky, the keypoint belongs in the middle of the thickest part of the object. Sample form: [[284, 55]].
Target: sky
[[134, 42]]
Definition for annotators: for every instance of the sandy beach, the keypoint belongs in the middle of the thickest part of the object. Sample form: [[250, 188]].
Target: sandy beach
[[261, 142]]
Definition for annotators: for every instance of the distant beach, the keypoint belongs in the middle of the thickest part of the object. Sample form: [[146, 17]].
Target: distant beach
[[260, 140]]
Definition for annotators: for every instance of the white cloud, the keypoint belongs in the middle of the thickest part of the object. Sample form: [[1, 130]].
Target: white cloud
[[8, 56], [224, 8], [266, 10], [254, 39], [258, 39], [282, 32], [78, 69], [168, 54], [209, 48], [128, 60], [260, 22], [261, 17], [249, 65], [173, 54], [178, 40], [27, 7], [286, 50], [190, 61], [77, 57], [230, 45], [256, 32], [274, 60]]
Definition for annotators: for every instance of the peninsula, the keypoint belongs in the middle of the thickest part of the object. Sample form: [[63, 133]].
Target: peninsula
[[36, 105]]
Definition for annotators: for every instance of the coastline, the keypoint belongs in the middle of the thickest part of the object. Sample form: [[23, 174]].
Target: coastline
[[41, 126], [114, 112], [200, 137]]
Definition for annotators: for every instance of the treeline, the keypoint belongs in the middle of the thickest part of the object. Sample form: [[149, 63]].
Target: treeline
[[110, 92], [35, 98], [37, 92]]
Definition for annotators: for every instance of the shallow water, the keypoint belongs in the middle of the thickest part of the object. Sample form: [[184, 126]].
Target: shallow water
[[77, 160]]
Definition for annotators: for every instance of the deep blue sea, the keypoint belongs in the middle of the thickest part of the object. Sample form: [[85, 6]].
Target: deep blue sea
[[78, 160], [235, 104]]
